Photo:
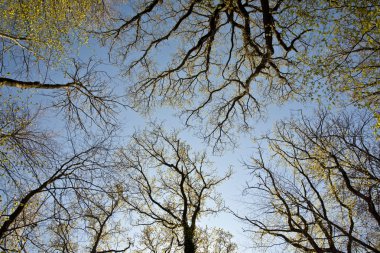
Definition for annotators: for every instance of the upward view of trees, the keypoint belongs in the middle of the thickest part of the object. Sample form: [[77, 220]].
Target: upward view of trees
[[225, 85], [329, 200], [71, 70], [43, 187], [171, 186], [39, 41]]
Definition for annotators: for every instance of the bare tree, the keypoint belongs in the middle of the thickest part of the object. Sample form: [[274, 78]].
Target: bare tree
[[223, 60], [156, 239], [43, 186], [86, 98], [38, 47], [106, 231], [31, 193], [171, 187], [216, 240], [94, 214], [319, 191]]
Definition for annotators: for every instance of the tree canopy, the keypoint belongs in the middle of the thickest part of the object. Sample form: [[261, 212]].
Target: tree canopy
[[77, 174], [329, 202], [170, 186], [225, 60]]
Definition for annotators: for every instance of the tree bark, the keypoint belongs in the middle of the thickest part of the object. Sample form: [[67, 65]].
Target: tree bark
[[189, 240], [33, 85]]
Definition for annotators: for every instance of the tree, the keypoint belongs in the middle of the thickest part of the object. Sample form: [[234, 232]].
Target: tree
[[42, 27], [346, 61], [49, 191], [320, 189], [38, 40], [224, 60], [20, 140], [31, 192], [155, 239], [92, 220], [48, 186], [216, 241], [170, 187]]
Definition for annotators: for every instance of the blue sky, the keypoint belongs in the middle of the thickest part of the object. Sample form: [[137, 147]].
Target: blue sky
[[129, 121]]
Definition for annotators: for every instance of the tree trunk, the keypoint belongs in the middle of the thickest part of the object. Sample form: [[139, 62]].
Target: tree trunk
[[189, 240]]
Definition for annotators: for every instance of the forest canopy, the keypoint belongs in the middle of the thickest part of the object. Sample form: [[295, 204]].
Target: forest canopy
[[117, 118]]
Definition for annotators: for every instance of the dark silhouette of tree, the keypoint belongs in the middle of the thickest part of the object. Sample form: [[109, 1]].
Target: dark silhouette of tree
[[224, 60], [171, 187], [38, 44], [219, 64], [216, 241], [157, 239], [45, 186], [319, 191]]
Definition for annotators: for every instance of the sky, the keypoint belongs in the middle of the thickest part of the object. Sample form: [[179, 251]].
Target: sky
[[129, 121]]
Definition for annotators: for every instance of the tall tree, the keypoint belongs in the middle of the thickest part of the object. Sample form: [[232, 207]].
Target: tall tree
[[216, 241], [39, 41], [343, 56], [42, 27], [320, 189], [156, 239], [224, 60], [42, 185], [171, 186]]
